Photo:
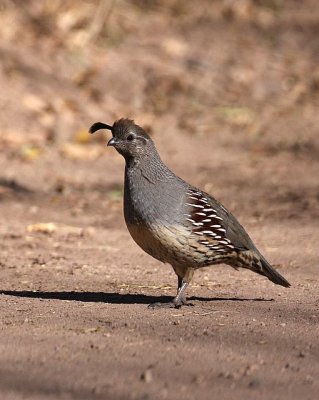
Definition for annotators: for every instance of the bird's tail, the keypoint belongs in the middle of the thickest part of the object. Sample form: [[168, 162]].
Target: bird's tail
[[268, 271]]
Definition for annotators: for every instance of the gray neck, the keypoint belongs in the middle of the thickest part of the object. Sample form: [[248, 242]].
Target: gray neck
[[151, 192], [149, 167]]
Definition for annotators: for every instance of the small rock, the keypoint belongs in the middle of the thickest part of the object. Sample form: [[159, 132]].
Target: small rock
[[198, 379], [253, 383], [147, 376], [309, 379], [226, 375]]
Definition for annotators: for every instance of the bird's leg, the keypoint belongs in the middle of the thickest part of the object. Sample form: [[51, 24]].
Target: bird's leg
[[178, 301], [180, 298], [184, 275], [182, 283]]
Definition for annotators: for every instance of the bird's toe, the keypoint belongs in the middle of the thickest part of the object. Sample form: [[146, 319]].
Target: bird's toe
[[157, 305]]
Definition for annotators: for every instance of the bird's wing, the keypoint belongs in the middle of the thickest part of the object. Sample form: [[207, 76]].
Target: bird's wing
[[210, 218]]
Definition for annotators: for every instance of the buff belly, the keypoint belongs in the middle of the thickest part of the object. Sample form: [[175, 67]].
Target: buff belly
[[175, 246]]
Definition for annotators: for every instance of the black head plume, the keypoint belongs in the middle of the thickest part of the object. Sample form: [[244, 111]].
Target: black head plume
[[100, 125], [129, 139]]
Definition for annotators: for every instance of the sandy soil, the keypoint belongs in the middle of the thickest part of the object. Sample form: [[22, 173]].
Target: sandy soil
[[74, 322]]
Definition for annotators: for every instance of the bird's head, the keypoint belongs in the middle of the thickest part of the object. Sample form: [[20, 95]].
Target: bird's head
[[129, 139]]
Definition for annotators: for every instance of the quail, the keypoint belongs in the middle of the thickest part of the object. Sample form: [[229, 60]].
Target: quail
[[175, 222]]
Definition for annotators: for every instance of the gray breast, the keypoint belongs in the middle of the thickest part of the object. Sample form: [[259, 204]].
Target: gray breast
[[153, 217], [147, 202]]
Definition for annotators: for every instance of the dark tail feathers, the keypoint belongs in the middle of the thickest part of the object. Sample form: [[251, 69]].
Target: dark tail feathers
[[272, 274]]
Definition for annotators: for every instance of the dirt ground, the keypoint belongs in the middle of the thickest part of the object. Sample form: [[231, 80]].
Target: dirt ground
[[230, 93]]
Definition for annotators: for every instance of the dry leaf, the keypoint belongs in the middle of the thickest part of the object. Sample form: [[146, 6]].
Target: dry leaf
[[82, 136], [30, 152], [34, 103], [50, 227]]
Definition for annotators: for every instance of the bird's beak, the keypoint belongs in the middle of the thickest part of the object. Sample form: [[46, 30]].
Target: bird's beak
[[112, 142]]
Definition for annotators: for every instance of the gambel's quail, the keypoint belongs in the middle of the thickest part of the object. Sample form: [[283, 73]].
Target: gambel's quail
[[173, 221]]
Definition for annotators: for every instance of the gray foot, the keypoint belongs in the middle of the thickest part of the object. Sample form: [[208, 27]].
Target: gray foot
[[157, 305], [176, 303]]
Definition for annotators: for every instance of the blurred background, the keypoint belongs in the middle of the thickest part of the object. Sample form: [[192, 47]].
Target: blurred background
[[232, 86], [229, 90]]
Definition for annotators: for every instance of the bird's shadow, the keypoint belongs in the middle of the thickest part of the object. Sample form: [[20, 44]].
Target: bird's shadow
[[113, 298]]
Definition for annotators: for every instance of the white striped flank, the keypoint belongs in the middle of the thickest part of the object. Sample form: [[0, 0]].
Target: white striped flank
[[195, 205], [204, 219], [209, 233]]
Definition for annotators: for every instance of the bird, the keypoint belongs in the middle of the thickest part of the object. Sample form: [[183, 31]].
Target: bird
[[175, 222]]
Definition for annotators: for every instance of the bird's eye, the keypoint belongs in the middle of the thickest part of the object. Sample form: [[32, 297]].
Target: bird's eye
[[130, 138]]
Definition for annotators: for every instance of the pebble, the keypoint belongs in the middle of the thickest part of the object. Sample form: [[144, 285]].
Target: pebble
[[147, 376], [254, 383]]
